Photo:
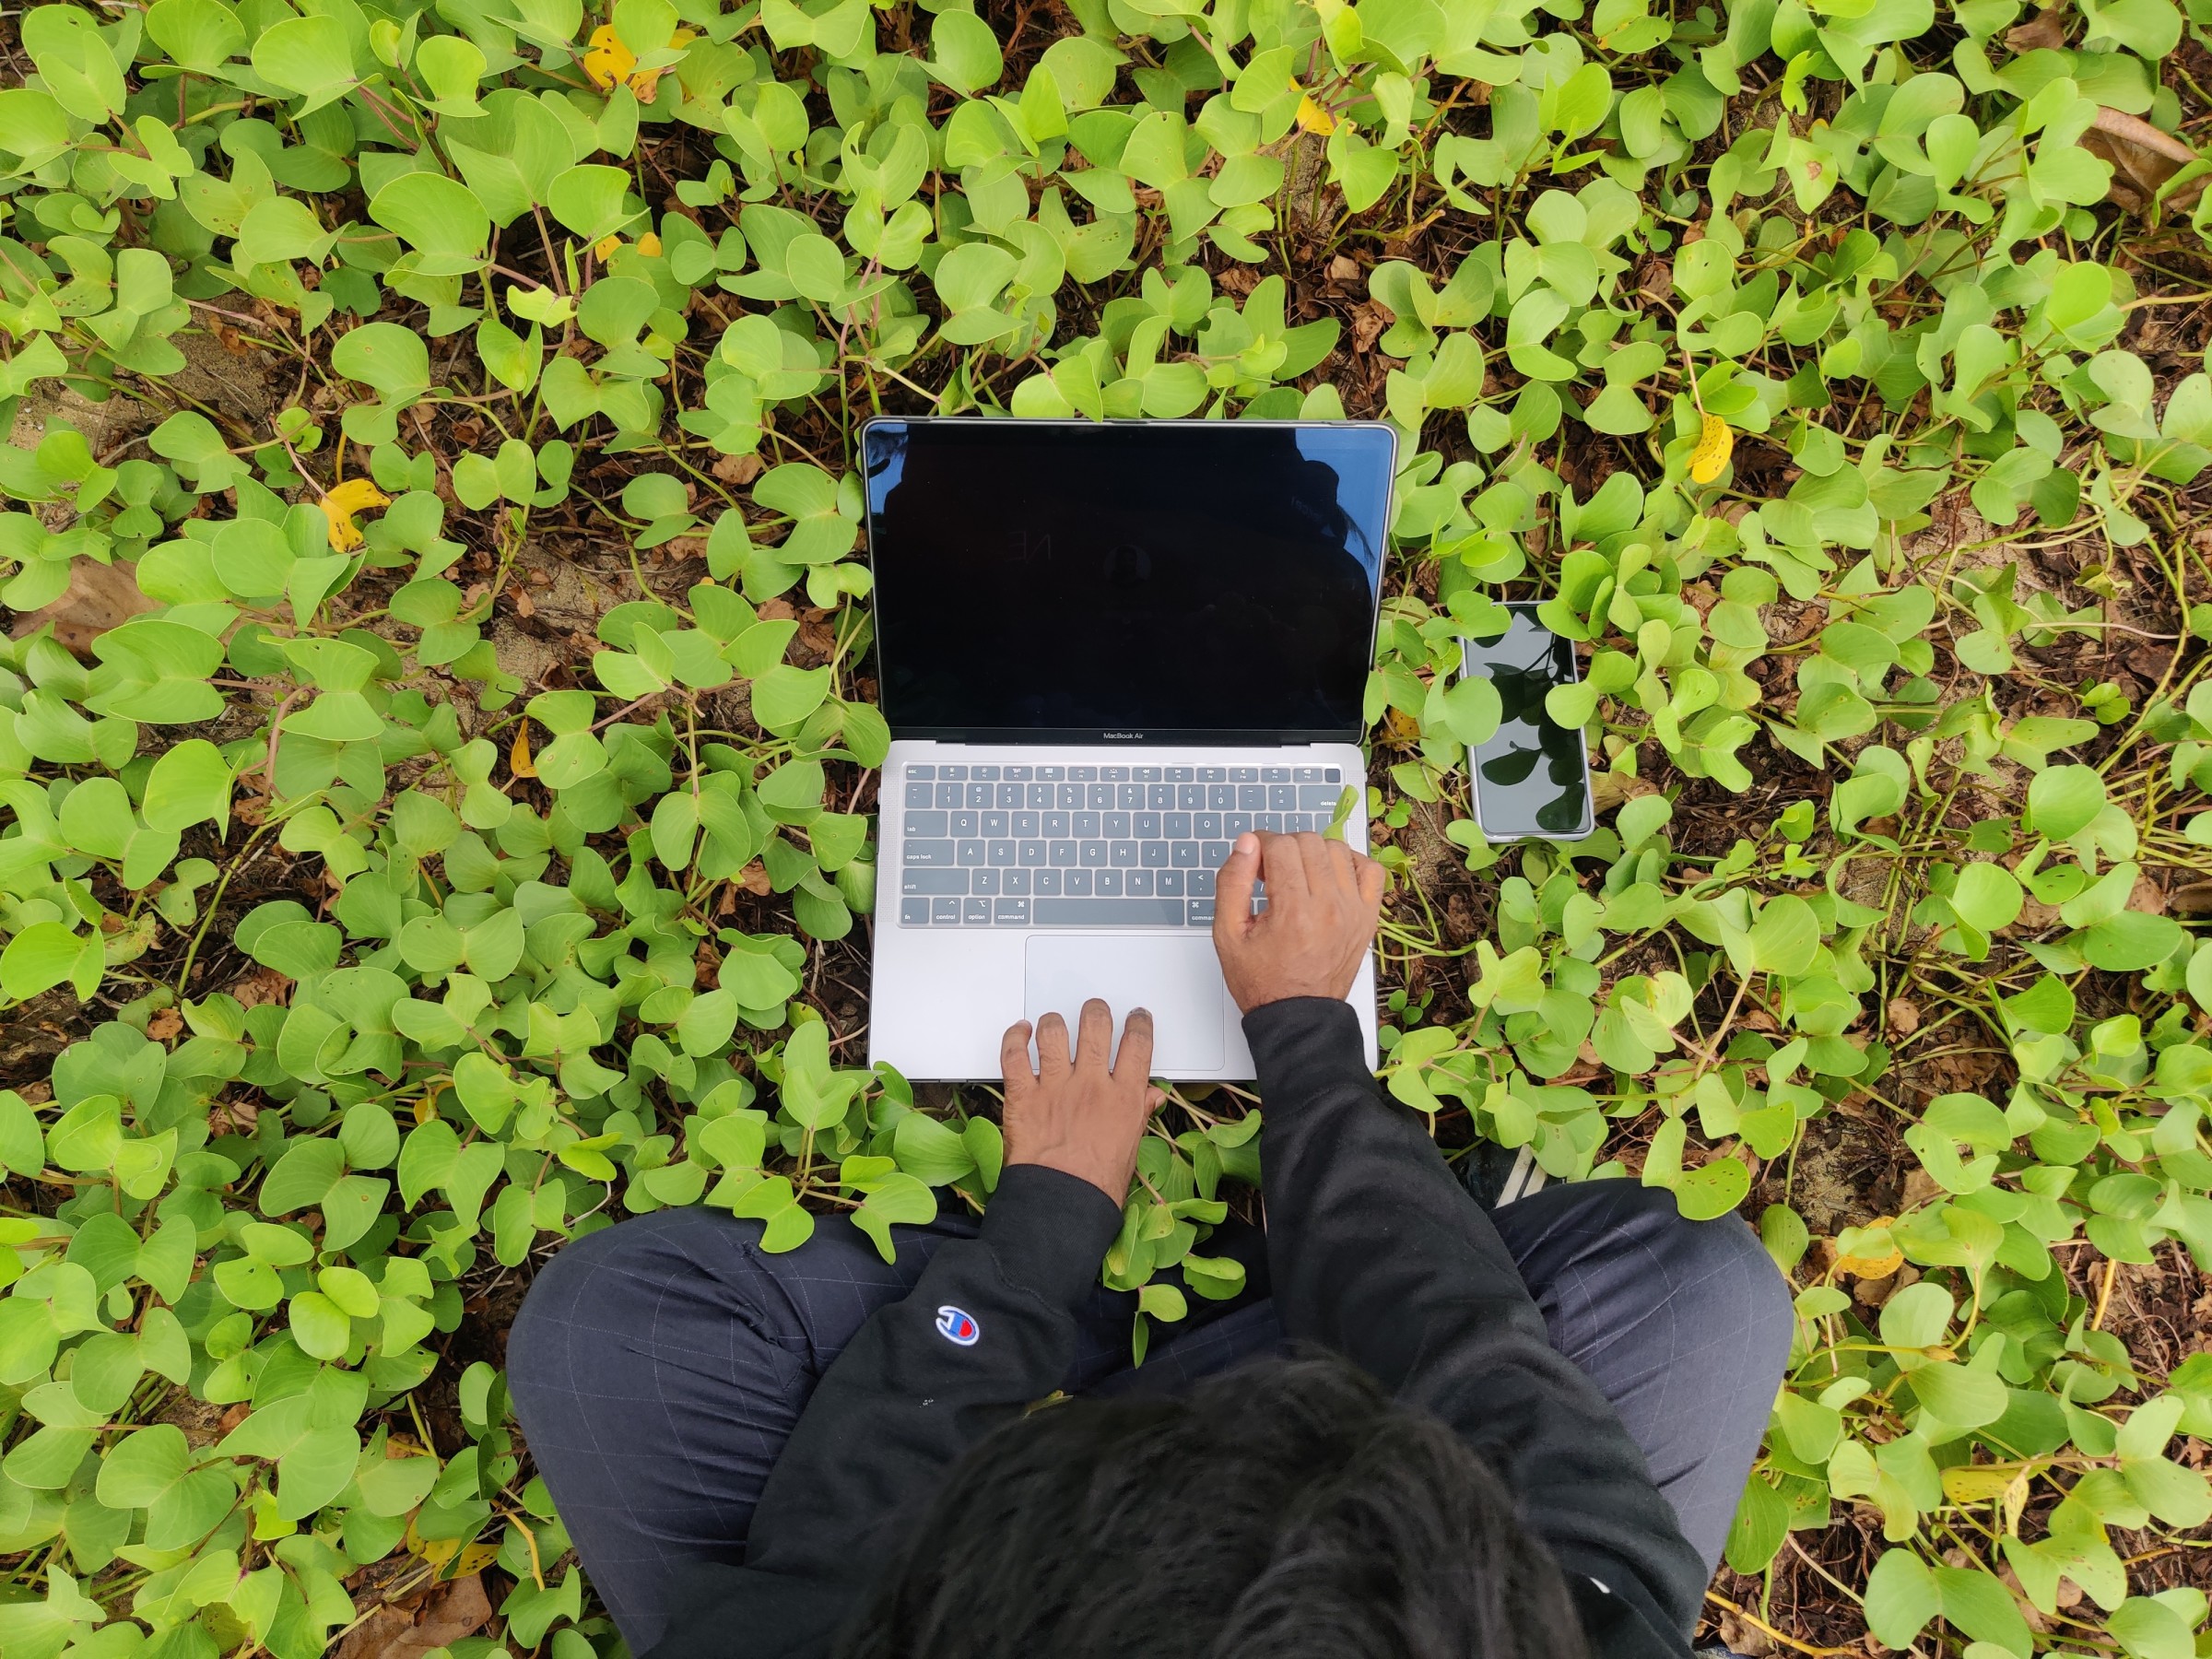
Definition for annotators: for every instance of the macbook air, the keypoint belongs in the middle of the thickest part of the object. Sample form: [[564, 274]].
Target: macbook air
[[1106, 649]]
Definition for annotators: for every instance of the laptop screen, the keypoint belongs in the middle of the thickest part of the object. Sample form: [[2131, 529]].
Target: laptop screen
[[1144, 581]]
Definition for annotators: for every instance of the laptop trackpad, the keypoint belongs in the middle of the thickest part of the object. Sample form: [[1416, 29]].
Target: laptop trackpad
[[1178, 980]]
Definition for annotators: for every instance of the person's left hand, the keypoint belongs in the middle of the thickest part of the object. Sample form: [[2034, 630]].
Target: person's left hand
[[1082, 1114]]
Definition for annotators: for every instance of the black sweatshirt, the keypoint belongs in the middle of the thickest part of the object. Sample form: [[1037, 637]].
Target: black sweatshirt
[[1374, 1250]]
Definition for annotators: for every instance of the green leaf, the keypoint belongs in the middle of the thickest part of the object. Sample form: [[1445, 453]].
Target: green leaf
[[1902, 1598], [1472, 710], [319, 1327], [2063, 799], [931, 1152], [45, 954], [965, 52], [385, 355], [190, 784], [441, 220], [784, 696], [194, 34], [591, 200], [1959, 1397], [1712, 1190], [1785, 937], [144, 1467], [306, 54], [1988, 897], [793, 793], [302, 1178]]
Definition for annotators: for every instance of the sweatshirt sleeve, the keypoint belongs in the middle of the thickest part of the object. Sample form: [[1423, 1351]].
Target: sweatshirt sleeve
[[1375, 1250], [988, 1329]]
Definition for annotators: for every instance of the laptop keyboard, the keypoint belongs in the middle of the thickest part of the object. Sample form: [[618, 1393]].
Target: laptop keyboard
[[1088, 846]]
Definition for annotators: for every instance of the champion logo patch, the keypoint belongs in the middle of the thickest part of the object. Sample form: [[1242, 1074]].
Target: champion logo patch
[[958, 1326]]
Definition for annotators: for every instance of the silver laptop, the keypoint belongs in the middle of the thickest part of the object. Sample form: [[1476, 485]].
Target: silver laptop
[[1106, 651]]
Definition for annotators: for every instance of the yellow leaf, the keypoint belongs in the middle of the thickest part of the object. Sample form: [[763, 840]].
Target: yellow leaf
[[517, 757], [1871, 1265], [645, 80], [649, 244], [607, 60], [1715, 444], [1313, 118], [1978, 1483], [341, 501], [604, 247]]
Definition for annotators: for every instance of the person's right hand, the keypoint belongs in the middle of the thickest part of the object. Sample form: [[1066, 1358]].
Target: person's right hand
[[1323, 900]]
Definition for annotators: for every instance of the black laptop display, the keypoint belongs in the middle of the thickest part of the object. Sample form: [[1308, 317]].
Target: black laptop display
[[1137, 583]]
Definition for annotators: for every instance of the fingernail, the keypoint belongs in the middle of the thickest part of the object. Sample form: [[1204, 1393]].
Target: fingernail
[[1247, 842]]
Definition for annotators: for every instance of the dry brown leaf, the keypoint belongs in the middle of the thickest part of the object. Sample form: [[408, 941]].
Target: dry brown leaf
[[1344, 268], [262, 985], [99, 597], [1748, 1639], [447, 1614], [164, 1025], [1920, 1188], [1368, 320], [2191, 900], [737, 469], [754, 879], [2046, 31], [1611, 789], [1904, 1019], [2142, 158]]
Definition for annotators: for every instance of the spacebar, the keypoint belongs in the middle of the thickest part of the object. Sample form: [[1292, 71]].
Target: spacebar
[[1106, 913]]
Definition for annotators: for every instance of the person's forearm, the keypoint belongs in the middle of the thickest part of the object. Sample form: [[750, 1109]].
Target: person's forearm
[[988, 1329], [1376, 1251]]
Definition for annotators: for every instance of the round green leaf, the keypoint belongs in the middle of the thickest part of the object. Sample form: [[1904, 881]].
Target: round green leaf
[[142, 1467], [319, 1325], [2063, 799], [385, 355], [440, 219]]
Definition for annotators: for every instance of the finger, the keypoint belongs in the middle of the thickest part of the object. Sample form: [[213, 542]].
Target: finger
[[1133, 1060], [1233, 890], [1094, 1036], [1053, 1062], [1320, 869], [1281, 866], [1372, 882], [1014, 1059], [1345, 864]]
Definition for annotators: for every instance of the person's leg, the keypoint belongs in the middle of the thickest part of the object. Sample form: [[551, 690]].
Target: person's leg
[[1684, 1326], [657, 1368]]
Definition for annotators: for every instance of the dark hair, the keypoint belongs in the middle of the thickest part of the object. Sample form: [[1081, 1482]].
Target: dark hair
[[1283, 1510]]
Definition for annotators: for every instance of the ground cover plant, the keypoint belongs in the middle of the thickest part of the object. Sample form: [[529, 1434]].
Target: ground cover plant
[[437, 746]]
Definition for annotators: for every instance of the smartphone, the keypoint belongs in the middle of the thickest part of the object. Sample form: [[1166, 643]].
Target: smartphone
[[1532, 779]]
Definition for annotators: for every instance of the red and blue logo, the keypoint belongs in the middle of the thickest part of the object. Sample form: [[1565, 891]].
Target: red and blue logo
[[958, 1326]]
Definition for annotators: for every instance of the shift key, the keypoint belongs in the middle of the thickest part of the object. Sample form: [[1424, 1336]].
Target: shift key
[[933, 882]]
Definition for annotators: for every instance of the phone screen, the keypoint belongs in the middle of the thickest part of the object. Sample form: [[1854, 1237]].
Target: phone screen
[[1532, 779]]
